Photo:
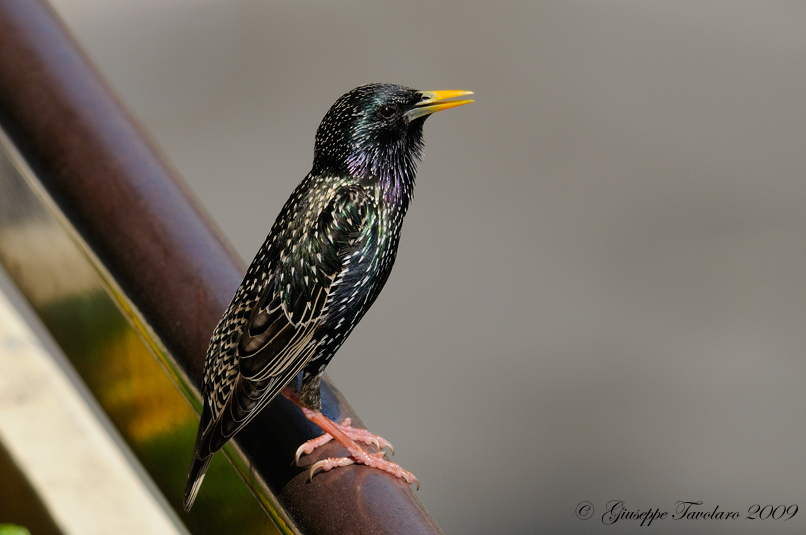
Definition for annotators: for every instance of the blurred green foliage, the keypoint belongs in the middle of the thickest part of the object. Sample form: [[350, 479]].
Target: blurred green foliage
[[11, 529]]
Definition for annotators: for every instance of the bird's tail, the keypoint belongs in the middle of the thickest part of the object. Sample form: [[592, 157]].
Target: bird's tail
[[197, 470]]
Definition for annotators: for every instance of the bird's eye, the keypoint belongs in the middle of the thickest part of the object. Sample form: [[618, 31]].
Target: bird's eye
[[387, 112]]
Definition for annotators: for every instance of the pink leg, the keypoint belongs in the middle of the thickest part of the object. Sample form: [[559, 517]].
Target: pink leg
[[347, 437]]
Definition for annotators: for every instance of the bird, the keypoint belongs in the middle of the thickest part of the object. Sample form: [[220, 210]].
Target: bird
[[325, 260]]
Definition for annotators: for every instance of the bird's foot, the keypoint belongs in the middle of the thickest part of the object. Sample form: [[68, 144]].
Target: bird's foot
[[357, 454], [373, 460], [347, 436], [355, 433]]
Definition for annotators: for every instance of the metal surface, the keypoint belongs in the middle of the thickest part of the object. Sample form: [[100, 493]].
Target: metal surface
[[99, 214], [58, 279], [62, 443]]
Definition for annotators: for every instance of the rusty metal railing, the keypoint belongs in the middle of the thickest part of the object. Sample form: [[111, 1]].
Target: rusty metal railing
[[111, 246]]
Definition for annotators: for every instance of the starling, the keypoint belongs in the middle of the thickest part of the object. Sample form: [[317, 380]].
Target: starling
[[326, 259]]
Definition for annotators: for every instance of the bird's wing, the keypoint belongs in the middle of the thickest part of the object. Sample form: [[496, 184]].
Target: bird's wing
[[279, 338], [290, 311]]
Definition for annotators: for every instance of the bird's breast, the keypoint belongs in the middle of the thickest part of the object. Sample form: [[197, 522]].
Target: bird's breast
[[367, 266]]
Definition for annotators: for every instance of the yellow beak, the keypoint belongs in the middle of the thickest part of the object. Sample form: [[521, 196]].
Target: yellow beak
[[434, 101]]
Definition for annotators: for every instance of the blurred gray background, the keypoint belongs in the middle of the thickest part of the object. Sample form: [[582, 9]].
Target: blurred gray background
[[599, 292]]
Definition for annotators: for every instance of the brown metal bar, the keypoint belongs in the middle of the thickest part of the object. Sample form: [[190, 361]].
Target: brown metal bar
[[169, 261]]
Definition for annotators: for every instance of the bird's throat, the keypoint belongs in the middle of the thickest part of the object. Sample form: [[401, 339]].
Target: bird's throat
[[393, 173]]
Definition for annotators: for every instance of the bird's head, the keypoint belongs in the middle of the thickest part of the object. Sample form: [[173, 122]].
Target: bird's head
[[375, 131]]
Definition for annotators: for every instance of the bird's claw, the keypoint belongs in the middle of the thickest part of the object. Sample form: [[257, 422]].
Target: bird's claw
[[363, 435], [308, 447], [373, 460], [348, 437], [328, 464], [357, 434]]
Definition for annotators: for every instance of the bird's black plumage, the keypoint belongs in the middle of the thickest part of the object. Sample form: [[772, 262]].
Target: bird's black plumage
[[323, 264]]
